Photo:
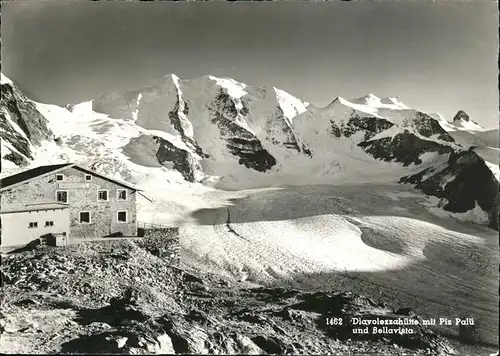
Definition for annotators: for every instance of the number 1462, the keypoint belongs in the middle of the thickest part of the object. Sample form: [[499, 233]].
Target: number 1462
[[334, 321]]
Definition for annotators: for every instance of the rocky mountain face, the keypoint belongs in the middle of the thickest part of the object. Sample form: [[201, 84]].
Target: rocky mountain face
[[240, 141], [216, 119], [30, 126], [213, 126], [182, 160], [405, 147], [369, 126], [464, 181], [461, 115]]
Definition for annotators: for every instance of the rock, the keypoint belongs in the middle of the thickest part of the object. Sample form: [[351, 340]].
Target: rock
[[247, 346], [24, 113], [69, 107], [472, 182], [369, 126], [403, 147], [26, 302], [252, 318], [280, 132], [406, 312], [184, 161], [12, 329], [347, 306], [461, 115], [120, 341], [166, 346], [241, 142], [270, 345], [93, 325]]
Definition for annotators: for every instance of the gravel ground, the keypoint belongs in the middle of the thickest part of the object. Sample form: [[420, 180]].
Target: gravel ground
[[117, 297]]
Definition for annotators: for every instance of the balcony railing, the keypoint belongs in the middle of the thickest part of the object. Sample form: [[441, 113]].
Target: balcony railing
[[149, 226]]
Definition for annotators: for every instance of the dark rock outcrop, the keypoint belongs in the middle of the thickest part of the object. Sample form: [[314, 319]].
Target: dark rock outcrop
[[25, 114], [16, 158], [181, 125], [472, 182], [427, 127], [69, 107], [183, 161], [461, 115], [278, 127], [404, 147], [18, 141], [369, 125], [241, 142]]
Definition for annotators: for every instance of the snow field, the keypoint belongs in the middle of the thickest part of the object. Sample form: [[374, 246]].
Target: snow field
[[351, 238]]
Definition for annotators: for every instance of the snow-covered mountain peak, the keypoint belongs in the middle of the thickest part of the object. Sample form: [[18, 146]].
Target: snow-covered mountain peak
[[83, 108], [373, 101], [291, 105], [461, 115], [462, 121], [219, 129], [370, 99], [234, 88], [393, 100], [361, 109], [390, 108]]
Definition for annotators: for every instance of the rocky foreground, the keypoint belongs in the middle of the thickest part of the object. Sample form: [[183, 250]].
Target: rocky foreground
[[126, 296]]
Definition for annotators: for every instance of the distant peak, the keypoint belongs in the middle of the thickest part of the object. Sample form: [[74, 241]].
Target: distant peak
[[337, 100], [226, 80], [233, 87], [393, 100], [461, 115], [366, 100], [175, 79]]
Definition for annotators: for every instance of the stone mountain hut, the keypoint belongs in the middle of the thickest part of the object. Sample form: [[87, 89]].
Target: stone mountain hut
[[67, 200]]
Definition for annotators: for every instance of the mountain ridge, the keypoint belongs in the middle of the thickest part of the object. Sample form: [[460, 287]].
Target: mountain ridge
[[210, 128]]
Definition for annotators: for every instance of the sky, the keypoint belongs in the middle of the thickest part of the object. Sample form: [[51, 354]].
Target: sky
[[435, 56]]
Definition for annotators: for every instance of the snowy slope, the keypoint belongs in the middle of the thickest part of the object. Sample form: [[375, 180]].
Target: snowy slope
[[467, 125], [378, 240], [462, 121]]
